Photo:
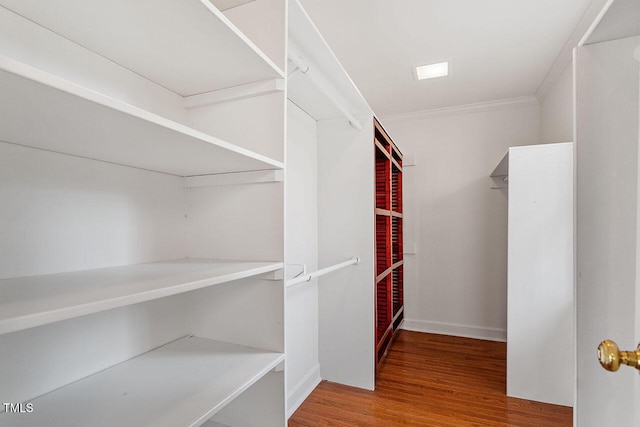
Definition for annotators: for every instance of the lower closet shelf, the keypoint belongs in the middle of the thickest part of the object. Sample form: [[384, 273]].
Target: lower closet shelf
[[26, 302], [182, 383]]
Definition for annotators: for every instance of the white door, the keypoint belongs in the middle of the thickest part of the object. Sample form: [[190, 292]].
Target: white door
[[608, 231]]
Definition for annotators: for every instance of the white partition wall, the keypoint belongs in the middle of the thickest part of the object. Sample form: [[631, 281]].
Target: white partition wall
[[346, 229], [344, 179], [303, 369], [607, 120], [540, 343]]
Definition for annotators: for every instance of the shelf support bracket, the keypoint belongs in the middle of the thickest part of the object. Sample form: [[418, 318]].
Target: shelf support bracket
[[234, 93]]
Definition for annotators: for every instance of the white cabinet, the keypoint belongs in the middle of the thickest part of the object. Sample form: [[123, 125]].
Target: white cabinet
[[139, 281], [540, 339]]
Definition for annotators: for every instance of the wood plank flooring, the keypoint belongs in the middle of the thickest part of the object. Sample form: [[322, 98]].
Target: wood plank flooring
[[431, 380]]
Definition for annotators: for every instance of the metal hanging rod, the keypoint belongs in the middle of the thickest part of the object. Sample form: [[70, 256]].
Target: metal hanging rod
[[308, 277], [321, 83]]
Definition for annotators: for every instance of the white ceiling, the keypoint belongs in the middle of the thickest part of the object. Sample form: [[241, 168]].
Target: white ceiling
[[498, 48]]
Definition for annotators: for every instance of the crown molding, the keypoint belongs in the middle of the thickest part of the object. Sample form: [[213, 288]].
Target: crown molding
[[499, 104], [589, 18]]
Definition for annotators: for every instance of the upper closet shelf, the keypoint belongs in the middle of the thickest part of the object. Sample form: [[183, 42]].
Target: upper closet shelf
[[502, 170], [323, 88], [26, 302], [187, 46], [44, 111], [500, 174], [182, 383]]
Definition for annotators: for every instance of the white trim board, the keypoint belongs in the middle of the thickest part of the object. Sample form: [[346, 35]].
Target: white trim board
[[456, 330], [302, 390], [499, 104]]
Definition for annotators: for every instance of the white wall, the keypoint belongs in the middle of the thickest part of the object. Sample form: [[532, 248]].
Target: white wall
[[301, 229], [456, 283], [104, 215], [556, 110]]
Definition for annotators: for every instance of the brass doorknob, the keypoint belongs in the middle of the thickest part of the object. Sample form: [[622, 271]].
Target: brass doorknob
[[611, 357]]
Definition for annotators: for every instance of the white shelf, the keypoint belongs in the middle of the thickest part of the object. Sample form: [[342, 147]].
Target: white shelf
[[26, 302], [332, 81], [43, 111], [502, 169], [180, 384], [187, 46]]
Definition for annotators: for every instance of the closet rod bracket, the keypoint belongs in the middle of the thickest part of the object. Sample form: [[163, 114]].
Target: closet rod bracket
[[308, 277]]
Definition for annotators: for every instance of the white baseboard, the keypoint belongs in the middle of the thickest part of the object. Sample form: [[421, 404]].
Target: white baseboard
[[302, 390], [468, 331]]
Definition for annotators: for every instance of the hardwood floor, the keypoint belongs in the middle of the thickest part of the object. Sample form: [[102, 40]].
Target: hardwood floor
[[431, 380]]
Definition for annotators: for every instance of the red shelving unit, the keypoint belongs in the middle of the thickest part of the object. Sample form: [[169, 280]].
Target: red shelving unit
[[384, 307], [383, 244], [398, 295], [389, 259]]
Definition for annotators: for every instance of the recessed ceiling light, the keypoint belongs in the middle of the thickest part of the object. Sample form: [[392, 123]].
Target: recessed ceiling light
[[441, 69]]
